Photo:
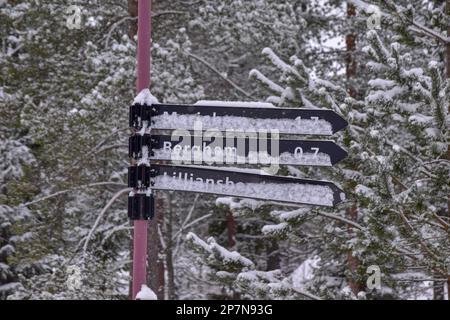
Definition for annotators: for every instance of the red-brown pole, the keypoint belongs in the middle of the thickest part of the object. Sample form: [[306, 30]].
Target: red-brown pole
[[139, 275]]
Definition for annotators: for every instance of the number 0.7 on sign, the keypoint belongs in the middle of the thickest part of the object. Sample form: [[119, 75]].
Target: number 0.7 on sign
[[245, 185], [244, 149]]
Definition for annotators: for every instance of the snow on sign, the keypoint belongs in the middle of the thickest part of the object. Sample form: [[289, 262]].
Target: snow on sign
[[223, 117], [215, 147], [243, 184], [218, 132]]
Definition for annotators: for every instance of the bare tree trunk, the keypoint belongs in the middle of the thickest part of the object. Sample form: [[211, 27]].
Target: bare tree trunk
[[169, 250], [133, 12], [351, 71], [439, 287], [447, 9], [231, 230], [350, 62], [155, 251], [273, 256]]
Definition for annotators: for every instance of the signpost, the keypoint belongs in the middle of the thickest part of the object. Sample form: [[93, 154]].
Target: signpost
[[139, 272], [287, 120], [216, 133], [242, 184], [205, 135], [243, 148]]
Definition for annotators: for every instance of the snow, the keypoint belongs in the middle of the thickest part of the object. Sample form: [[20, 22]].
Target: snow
[[246, 104], [197, 241], [234, 204], [304, 273], [291, 216], [145, 98], [145, 159], [288, 126], [223, 254], [229, 256], [275, 229], [364, 191], [284, 192], [421, 119], [146, 294], [381, 96], [382, 84], [278, 62], [10, 286], [272, 85], [286, 158]]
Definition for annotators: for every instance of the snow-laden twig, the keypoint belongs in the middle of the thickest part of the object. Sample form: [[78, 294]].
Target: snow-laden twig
[[212, 68], [193, 223], [186, 220], [115, 25], [161, 238], [97, 149], [113, 146], [342, 219], [422, 243], [90, 185], [100, 216], [324, 214]]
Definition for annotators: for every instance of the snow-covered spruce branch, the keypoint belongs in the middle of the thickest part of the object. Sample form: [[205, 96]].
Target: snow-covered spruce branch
[[396, 11], [212, 68], [306, 294], [90, 185], [100, 216], [326, 215], [422, 244]]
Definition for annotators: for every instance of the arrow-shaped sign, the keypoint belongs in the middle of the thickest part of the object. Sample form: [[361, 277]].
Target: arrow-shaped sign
[[243, 184], [286, 120], [238, 148]]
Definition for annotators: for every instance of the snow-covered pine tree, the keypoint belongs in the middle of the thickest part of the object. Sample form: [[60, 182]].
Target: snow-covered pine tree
[[67, 140], [399, 134]]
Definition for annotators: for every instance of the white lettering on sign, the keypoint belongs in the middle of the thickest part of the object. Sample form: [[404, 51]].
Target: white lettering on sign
[[189, 177]]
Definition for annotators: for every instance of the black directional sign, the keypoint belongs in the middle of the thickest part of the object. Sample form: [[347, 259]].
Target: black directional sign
[[218, 148], [286, 120], [230, 135], [243, 185]]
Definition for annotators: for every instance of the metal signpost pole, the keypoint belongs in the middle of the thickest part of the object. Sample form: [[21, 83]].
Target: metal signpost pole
[[143, 82]]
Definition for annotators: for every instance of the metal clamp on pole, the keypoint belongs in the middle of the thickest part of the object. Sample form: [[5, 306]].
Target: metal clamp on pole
[[139, 177], [141, 206], [138, 114], [135, 144]]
